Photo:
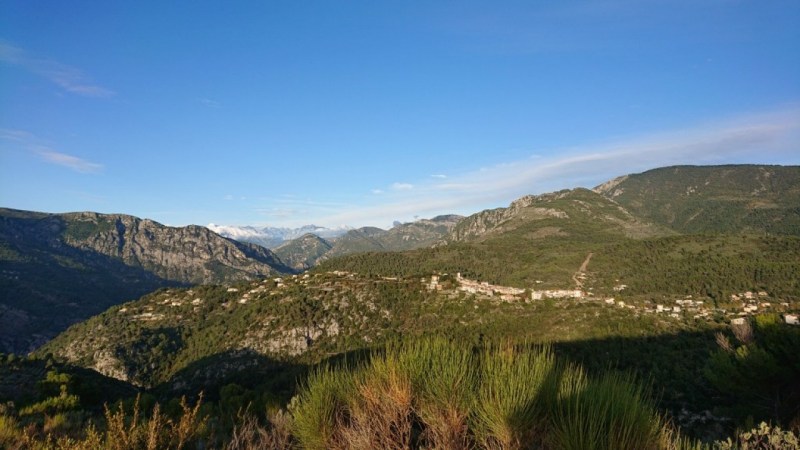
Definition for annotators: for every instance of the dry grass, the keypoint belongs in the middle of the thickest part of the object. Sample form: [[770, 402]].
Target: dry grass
[[743, 332], [248, 434], [121, 432]]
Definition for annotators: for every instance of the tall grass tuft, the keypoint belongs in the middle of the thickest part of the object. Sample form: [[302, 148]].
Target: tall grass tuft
[[672, 440], [133, 432], [248, 434], [444, 377], [122, 434], [380, 411], [320, 408], [189, 425], [436, 394], [155, 429], [9, 432], [611, 412], [517, 388]]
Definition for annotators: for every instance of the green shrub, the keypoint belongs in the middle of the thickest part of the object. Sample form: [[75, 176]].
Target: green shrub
[[63, 402], [611, 412], [9, 431], [443, 377], [319, 407], [764, 437], [437, 394], [517, 389], [759, 376]]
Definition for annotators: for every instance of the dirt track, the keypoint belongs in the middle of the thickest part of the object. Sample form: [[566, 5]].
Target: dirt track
[[582, 269]]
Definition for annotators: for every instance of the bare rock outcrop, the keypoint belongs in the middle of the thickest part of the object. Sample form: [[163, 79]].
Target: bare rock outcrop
[[191, 254]]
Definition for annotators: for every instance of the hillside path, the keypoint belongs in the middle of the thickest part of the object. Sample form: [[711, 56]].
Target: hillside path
[[577, 276]]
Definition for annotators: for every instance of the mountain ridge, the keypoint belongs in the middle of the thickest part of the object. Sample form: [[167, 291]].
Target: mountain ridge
[[537, 238], [551, 206], [56, 269], [272, 237], [728, 198], [404, 236]]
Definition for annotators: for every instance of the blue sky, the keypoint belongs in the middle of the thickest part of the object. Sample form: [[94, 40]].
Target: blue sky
[[362, 113]]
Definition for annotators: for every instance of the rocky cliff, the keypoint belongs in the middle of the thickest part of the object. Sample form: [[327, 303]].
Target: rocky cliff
[[191, 254], [57, 269], [568, 206]]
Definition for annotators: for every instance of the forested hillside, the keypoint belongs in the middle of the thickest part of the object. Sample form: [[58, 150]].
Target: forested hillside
[[713, 199]]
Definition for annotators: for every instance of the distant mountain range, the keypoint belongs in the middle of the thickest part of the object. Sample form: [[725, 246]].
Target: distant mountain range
[[58, 269], [310, 249], [304, 247], [631, 232], [271, 237]]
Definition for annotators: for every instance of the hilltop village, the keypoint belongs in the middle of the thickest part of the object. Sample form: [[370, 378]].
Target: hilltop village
[[742, 304]]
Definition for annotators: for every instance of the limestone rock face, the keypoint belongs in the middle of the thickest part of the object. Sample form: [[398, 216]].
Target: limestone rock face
[[191, 254], [532, 207]]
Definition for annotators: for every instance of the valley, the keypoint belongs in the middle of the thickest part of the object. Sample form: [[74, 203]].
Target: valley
[[616, 278], [58, 269]]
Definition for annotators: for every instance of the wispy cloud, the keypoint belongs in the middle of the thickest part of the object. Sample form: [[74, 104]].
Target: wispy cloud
[[31, 143], [12, 135], [752, 139], [69, 161], [772, 137], [402, 186], [440, 176], [68, 78]]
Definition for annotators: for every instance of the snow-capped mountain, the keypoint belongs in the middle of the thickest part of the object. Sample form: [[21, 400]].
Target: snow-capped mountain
[[272, 237]]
